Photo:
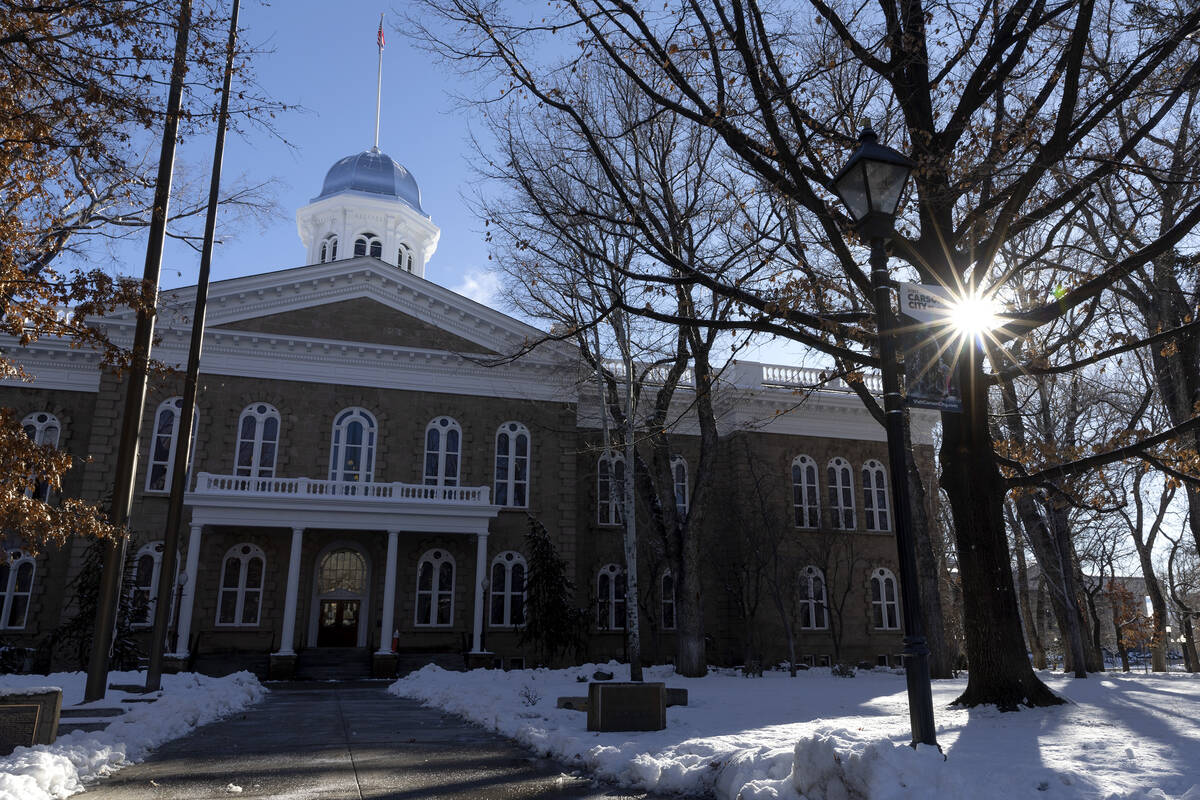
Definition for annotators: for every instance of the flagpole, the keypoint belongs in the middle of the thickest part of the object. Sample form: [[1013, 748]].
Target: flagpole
[[379, 81]]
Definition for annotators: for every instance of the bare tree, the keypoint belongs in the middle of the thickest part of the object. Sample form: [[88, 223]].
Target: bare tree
[[1005, 109]]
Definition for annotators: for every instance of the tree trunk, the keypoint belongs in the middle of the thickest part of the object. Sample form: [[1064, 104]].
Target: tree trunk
[[1031, 627], [1095, 639], [786, 620], [999, 671], [1120, 634], [690, 660], [632, 611], [1189, 643], [941, 657], [1046, 549], [1039, 610]]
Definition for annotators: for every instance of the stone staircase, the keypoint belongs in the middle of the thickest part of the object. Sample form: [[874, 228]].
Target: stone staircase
[[333, 664], [97, 718]]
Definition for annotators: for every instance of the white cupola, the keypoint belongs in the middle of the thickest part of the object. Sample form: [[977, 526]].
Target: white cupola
[[369, 205]]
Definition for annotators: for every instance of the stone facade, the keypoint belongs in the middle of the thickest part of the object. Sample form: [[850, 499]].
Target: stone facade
[[308, 556]]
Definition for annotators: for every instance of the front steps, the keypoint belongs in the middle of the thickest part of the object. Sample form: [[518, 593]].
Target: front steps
[[333, 664]]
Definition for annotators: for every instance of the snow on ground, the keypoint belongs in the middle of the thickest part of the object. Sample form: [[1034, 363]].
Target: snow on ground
[[820, 737], [61, 769]]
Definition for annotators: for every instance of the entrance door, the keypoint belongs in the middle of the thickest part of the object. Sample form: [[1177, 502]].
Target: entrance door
[[341, 598], [338, 626]]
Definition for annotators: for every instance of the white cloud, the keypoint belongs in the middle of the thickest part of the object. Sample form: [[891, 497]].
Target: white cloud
[[482, 286]]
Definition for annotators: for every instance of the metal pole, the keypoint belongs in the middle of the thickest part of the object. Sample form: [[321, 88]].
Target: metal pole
[[379, 81], [135, 393], [916, 651], [179, 468]]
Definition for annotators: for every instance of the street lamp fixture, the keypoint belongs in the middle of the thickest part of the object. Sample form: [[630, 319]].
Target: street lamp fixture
[[871, 185]]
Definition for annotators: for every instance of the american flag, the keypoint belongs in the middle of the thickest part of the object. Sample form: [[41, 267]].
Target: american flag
[[379, 36]]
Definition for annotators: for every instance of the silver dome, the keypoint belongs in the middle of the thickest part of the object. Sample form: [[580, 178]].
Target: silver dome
[[374, 172]]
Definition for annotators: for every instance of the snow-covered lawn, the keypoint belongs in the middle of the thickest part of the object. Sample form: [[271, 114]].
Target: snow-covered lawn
[[820, 737], [61, 769]]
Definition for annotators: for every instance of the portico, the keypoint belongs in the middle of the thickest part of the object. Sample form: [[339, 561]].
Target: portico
[[304, 504]]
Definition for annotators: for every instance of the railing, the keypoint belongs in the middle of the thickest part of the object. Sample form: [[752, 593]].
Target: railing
[[753, 375], [656, 376], [778, 375], [240, 486]]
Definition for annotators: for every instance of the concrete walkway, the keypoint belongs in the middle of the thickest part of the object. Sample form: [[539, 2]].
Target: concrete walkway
[[343, 741]]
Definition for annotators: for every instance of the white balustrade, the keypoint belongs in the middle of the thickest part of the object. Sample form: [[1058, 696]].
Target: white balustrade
[[785, 376], [210, 484]]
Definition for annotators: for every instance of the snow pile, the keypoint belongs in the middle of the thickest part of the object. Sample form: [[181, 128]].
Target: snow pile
[[61, 769], [819, 737]]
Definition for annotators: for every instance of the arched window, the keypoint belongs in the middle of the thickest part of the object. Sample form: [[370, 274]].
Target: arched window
[[143, 595], [610, 598], [162, 444], [885, 607], [679, 478], [668, 601], [16, 581], [443, 444], [813, 600], [404, 258], [875, 500], [841, 494], [42, 428], [329, 249], [805, 496], [368, 244], [610, 488], [258, 441], [512, 465], [508, 590], [352, 455], [242, 574], [343, 573], [435, 588]]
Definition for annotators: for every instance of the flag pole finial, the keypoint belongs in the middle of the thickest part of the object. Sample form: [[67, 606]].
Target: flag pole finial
[[379, 80]]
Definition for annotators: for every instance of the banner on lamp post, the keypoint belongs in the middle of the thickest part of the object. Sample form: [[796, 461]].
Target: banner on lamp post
[[928, 347]]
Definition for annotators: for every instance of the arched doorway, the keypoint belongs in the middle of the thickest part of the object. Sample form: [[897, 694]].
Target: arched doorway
[[341, 597]]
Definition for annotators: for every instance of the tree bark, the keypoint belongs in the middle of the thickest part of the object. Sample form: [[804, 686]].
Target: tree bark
[[1045, 546], [1032, 634], [941, 656], [999, 671]]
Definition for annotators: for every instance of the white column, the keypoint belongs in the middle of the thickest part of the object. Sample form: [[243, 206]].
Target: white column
[[480, 578], [389, 594], [188, 596], [293, 587]]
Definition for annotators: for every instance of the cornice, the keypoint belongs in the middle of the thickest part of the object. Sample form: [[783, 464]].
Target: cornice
[[53, 364]]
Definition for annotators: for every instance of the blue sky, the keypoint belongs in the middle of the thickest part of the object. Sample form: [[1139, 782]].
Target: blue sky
[[325, 61]]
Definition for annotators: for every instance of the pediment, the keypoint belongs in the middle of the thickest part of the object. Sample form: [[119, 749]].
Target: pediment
[[357, 320], [359, 300]]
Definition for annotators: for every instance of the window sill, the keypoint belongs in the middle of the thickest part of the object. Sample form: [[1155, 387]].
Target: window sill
[[445, 626], [238, 626]]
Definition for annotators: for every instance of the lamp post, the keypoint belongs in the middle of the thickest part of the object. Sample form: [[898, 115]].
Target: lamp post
[[871, 185]]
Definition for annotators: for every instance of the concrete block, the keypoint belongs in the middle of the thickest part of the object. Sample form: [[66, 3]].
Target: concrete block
[[383, 665], [282, 668], [627, 706], [676, 697]]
